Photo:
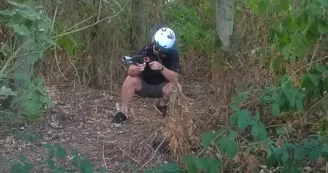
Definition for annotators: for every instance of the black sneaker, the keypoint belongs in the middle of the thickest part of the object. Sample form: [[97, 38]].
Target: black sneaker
[[119, 118], [162, 109]]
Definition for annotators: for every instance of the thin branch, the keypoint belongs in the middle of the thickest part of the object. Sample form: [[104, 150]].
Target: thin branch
[[12, 57], [135, 160], [103, 155], [86, 27], [153, 154], [315, 52], [81, 22]]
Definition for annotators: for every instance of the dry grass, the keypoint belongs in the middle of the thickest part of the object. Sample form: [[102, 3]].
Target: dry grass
[[181, 124]]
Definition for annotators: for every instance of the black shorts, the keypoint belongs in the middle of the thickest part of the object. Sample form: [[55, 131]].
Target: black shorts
[[151, 90]]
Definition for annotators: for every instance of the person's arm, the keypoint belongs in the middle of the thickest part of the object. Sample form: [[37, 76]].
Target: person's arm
[[135, 70], [172, 73]]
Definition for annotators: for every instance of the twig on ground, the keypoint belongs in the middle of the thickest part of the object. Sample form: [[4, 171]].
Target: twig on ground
[[135, 160], [103, 156], [153, 154]]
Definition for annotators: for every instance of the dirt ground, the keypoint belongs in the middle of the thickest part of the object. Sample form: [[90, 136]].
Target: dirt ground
[[81, 121]]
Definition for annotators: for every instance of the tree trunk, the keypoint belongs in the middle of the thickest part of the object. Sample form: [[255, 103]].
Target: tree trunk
[[139, 24], [97, 50], [224, 21]]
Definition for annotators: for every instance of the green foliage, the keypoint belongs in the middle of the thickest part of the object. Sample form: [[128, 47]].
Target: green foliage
[[191, 28], [57, 161], [34, 28], [166, 168], [21, 167], [300, 27], [294, 37], [28, 22], [28, 137]]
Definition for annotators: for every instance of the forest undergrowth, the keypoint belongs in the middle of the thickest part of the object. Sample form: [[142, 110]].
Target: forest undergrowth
[[258, 107]]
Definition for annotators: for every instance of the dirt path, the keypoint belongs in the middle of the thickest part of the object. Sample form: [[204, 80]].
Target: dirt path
[[81, 120]]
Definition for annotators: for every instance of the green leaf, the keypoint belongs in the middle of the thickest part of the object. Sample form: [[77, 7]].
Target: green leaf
[[299, 46], [7, 12], [211, 165], [284, 4], [86, 167], [234, 107], [190, 163], [275, 109], [285, 156], [21, 29], [27, 137], [243, 119], [51, 164], [51, 152], [291, 167], [263, 5], [262, 131], [321, 68], [267, 99], [170, 168], [323, 27], [5, 91], [310, 143], [61, 152], [241, 97], [281, 131], [232, 149], [60, 170], [35, 57], [315, 79], [233, 134], [103, 170], [22, 158], [223, 142], [67, 43], [228, 146], [325, 84], [255, 130], [324, 3], [314, 9], [314, 154], [300, 152], [206, 139], [19, 168], [257, 116], [234, 118]]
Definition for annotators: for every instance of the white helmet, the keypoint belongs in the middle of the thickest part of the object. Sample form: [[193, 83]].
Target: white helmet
[[164, 38]]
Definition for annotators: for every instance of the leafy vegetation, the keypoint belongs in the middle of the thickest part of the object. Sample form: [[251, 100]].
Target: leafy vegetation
[[34, 28], [296, 37], [299, 33]]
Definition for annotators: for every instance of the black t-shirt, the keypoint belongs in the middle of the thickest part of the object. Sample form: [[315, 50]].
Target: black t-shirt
[[170, 60]]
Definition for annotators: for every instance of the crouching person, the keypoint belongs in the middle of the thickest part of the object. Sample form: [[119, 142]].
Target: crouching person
[[156, 79]]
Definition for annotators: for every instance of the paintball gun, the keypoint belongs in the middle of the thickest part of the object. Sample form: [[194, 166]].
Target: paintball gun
[[136, 59]]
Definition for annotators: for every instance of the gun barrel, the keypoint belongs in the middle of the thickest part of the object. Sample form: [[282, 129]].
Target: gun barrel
[[126, 58]]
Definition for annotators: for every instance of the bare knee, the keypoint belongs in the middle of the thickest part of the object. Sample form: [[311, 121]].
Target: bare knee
[[168, 88], [132, 82]]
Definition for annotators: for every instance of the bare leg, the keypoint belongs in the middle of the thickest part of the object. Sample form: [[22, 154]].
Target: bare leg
[[130, 85], [167, 91]]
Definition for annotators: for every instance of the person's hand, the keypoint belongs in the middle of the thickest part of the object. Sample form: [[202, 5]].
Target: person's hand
[[155, 65], [141, 66]]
